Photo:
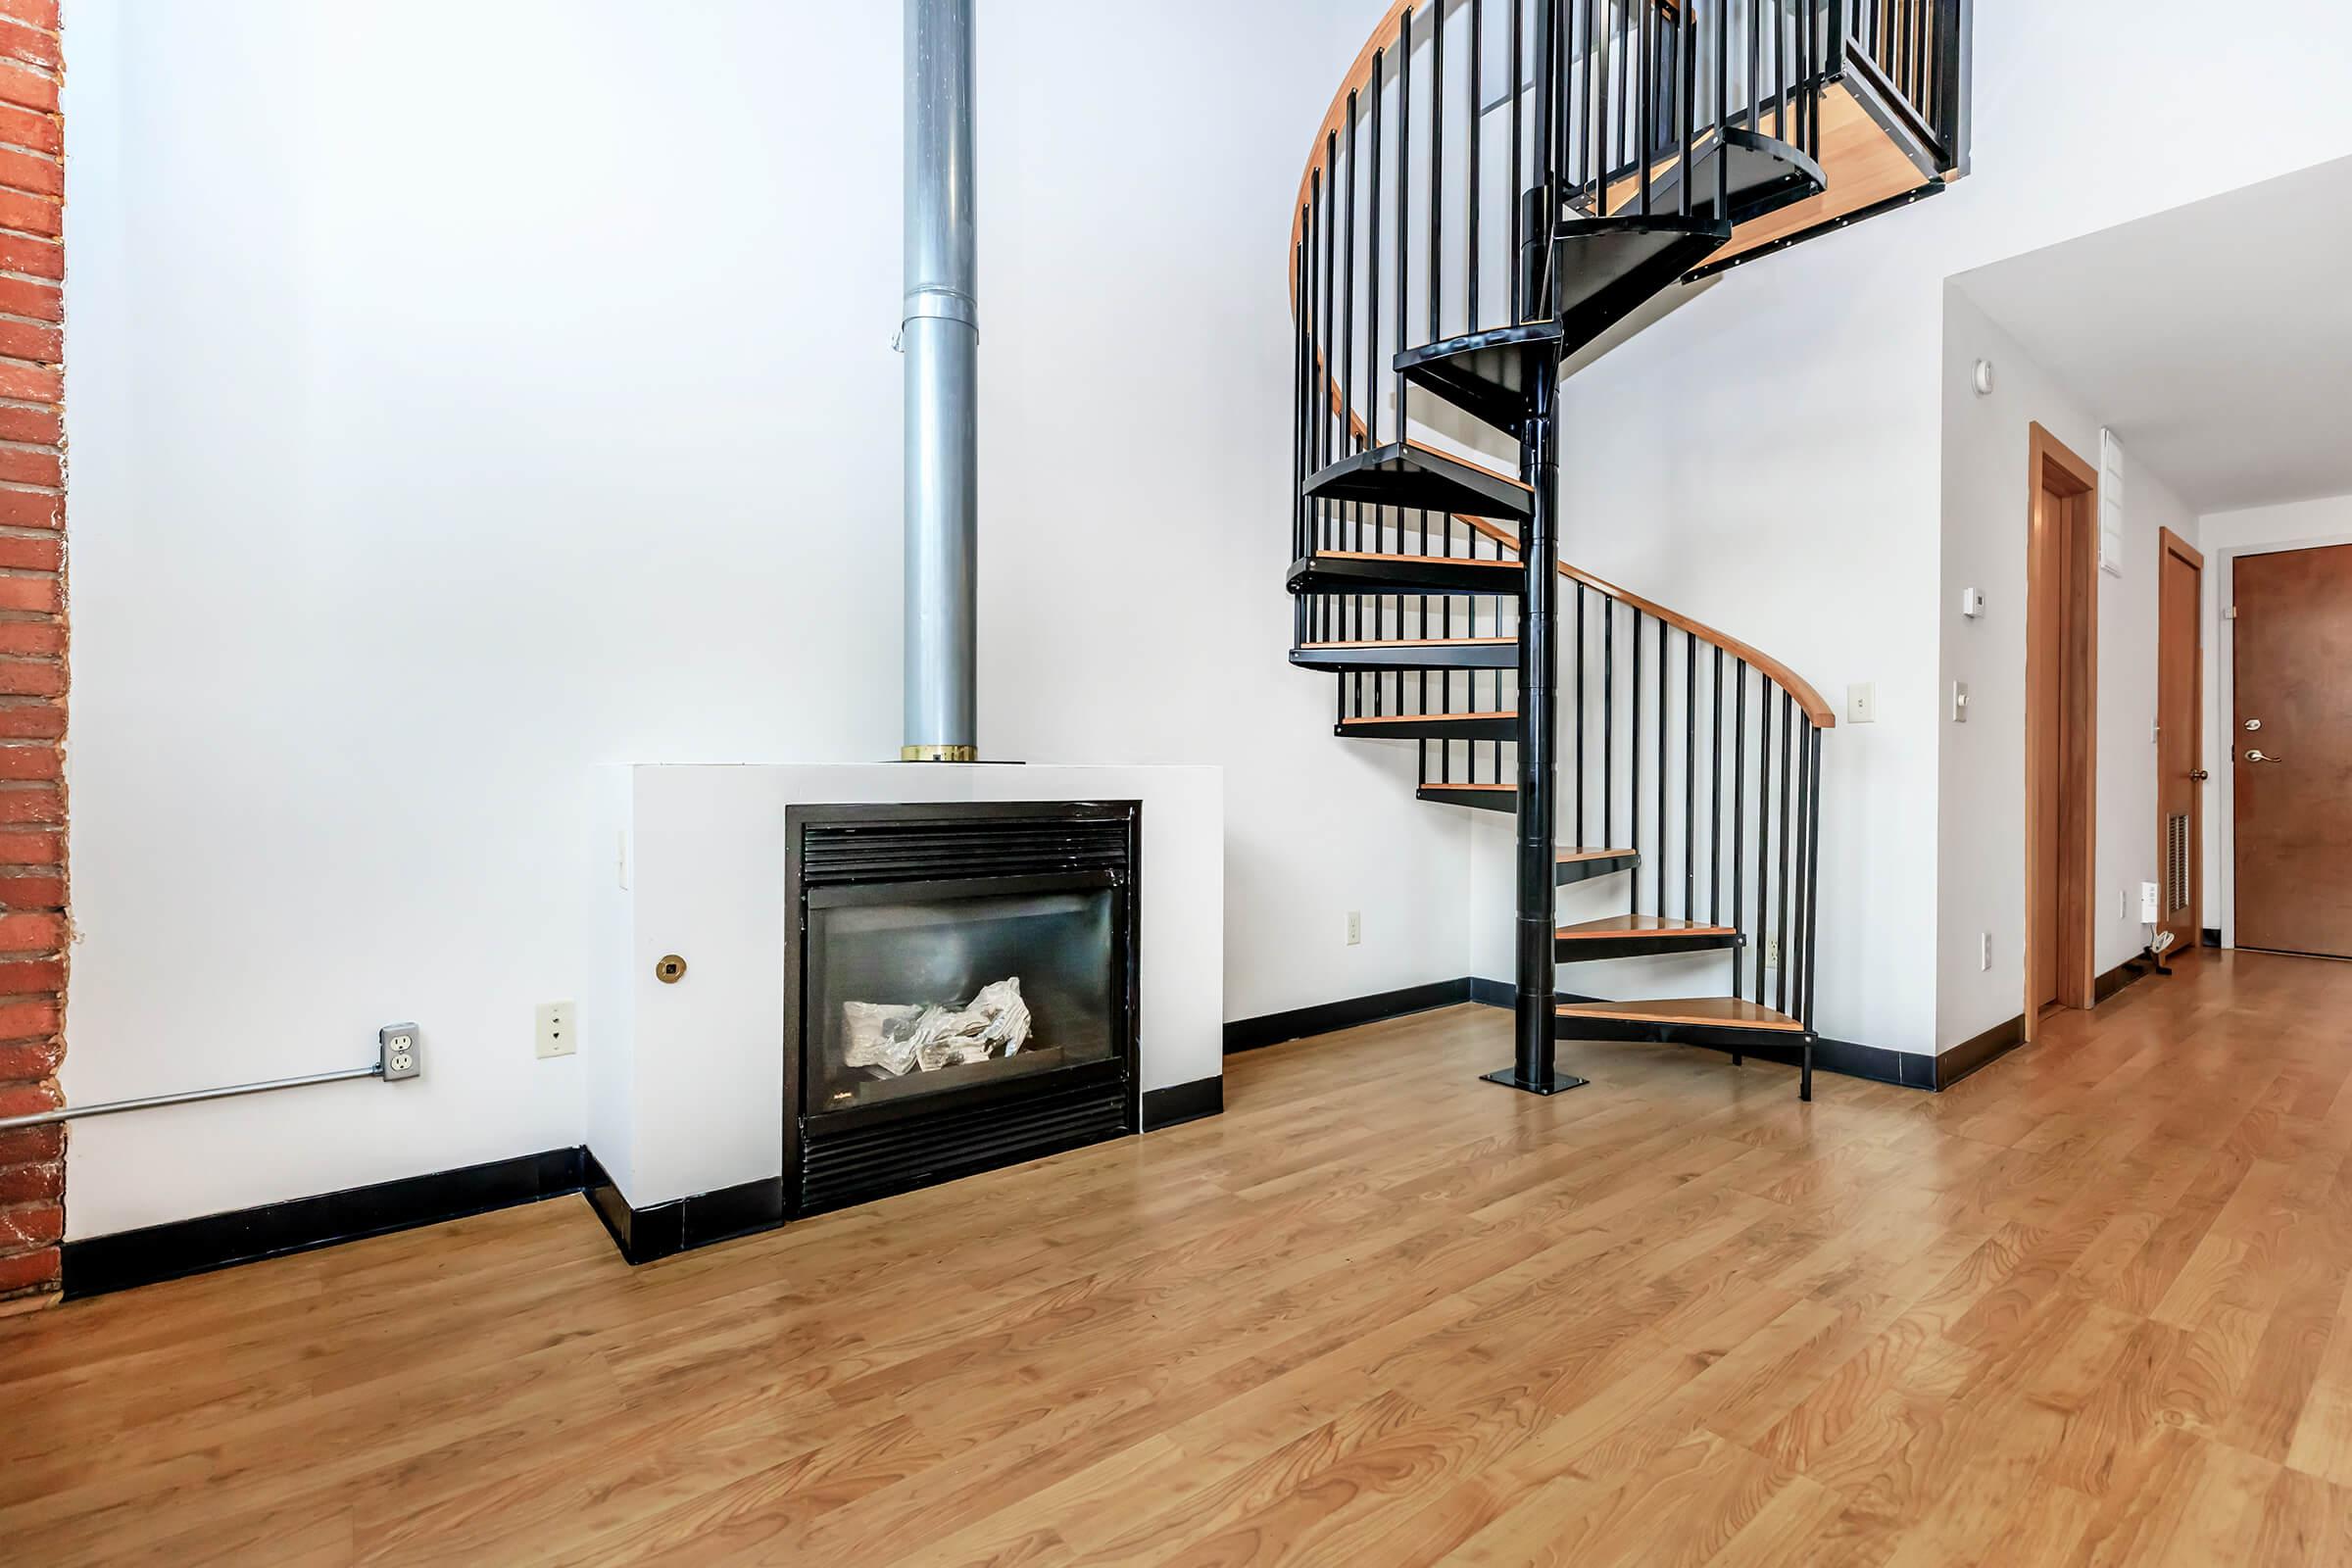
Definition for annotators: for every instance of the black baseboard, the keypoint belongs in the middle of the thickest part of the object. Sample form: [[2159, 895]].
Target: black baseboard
[[1183, 1102], [660, 1229], [1248, 1034], [2137, 967], [101, 1264], [2212, 935], [1978, 1050]]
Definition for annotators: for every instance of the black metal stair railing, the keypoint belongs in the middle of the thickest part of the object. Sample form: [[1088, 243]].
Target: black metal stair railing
[[1624, 141]]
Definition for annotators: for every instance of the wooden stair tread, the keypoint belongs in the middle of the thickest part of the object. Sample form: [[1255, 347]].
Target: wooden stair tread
[[1418, 642], [1623, 925], [1568, 855], [1419, 561], [1419, 718], [1702, 1012]]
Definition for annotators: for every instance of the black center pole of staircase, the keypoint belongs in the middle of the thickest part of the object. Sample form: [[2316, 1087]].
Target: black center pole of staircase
[[1534, 1011]]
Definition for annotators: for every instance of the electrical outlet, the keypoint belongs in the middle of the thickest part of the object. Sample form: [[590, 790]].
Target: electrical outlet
[[2149, 914], [1772, 952], [554, 1029], [397, 1053], [1355, 927], [1984, 950]]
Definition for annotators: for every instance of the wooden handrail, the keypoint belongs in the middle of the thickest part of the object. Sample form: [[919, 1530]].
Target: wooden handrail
[[1822, 716], [1334, 120]]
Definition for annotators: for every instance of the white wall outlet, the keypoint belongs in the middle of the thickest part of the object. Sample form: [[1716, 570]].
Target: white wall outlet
[[554, 1029], [2148, 913], [1772, 952], [1984, 950], [1355, 927], [397, 1053], [1862, 704]]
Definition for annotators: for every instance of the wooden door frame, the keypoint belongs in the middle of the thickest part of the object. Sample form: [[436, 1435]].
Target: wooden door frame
[[2170, 544], [2073, 685]]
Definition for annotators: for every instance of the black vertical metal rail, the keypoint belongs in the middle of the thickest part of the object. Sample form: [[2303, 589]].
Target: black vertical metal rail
[[1536, 918]]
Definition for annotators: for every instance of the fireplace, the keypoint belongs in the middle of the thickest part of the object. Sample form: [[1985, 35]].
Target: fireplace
[[960, 985]]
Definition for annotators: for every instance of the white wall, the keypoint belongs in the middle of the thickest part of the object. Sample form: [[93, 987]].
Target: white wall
[[2225, 536], [1981, 844], [1767, 458], [453, 416]]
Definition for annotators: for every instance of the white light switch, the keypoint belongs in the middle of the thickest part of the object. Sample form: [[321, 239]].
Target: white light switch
[[1959, 702], [1862, 704]]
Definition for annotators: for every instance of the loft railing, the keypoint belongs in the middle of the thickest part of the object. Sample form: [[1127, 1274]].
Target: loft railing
[[1915, 55]]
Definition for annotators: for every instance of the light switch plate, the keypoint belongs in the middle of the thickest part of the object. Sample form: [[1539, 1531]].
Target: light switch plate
[[1959, 702], [1862, 702]]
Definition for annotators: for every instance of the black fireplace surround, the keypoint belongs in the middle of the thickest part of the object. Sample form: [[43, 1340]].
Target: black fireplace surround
[[960, 989]]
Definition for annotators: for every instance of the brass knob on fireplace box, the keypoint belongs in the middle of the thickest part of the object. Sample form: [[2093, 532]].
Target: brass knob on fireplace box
[[670, 969]]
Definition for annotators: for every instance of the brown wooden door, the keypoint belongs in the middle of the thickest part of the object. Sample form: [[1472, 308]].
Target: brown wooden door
[[2293, 809], [2061, 725], [2180, 744]]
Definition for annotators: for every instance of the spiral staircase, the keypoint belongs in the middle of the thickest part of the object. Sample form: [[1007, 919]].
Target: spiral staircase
[[1502, 190]]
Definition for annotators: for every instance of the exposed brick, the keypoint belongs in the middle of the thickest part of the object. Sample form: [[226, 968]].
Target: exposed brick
[[32, 1225], [28, 44], [32, 891], [30, 509], [26, 1145], [25, 847], [43, 302], [30, 717], [31, 340], [33, 640], [42, 427], [30, 760], [32, 1184], [28, 1099], [31, 383], [28, 551], [35, 592], [28, 465], [31, 930], [24, 212], [31, 802], [36, 172], [40, 14], [27, 1269], [24, 637], [30, 1060], [29, 253], [31, 677], [23, 84], [27, 977]]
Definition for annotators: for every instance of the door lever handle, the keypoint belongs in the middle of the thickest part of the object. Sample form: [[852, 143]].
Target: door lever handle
[[2257, 756], [2199, 774]]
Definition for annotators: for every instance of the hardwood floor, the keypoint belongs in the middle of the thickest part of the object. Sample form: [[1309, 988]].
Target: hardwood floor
[[2090, 1306]]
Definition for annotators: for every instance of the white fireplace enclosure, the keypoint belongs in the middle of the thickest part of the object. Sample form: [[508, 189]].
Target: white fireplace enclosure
[[685, 1080]]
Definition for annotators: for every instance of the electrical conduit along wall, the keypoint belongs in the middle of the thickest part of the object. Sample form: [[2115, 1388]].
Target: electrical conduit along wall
[[32, 647]]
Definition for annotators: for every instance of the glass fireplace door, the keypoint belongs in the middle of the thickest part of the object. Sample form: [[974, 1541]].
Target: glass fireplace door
[[918, 989]]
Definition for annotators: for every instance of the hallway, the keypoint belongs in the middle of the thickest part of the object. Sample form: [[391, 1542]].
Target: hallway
[[2087, 1306]]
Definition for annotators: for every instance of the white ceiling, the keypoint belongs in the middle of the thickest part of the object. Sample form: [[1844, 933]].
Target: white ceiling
[[2214, 339]]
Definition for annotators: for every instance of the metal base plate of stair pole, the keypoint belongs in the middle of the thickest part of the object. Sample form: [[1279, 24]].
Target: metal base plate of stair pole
[[1508, 1077]]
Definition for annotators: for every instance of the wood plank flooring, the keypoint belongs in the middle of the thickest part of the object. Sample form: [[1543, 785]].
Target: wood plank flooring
[[2087, 1307]]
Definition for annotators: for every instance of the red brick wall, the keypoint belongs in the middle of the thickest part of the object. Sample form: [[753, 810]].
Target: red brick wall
[[32, 647]]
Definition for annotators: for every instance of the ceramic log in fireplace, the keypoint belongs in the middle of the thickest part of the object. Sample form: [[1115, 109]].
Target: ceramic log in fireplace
[[960, 985]]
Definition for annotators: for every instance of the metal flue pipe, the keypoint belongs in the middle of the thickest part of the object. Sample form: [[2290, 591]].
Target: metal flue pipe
[[940, 335]]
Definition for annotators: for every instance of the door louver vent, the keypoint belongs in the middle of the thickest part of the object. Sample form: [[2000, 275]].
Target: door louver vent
[[2176, 863]]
